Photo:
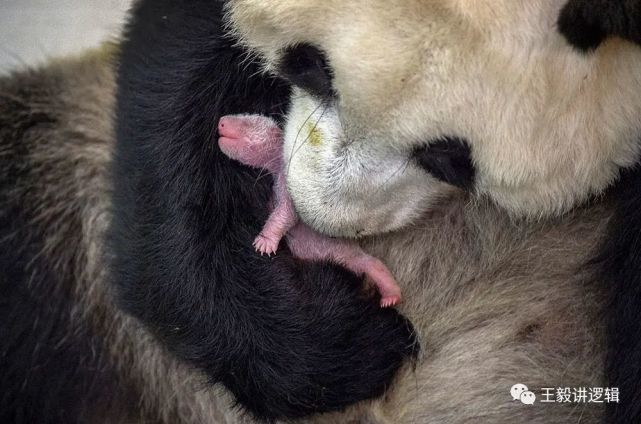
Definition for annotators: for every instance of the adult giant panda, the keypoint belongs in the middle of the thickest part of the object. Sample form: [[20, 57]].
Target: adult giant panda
[[528, 105], [494, 300]]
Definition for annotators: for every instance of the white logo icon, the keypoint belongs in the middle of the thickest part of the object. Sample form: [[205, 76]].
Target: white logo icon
[[517, 390], [528, 398]]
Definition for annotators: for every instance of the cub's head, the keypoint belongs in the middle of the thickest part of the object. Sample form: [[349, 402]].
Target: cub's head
[[531, 103]]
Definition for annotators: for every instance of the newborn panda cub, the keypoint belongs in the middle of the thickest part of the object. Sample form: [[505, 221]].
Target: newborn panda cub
[[257, 141]]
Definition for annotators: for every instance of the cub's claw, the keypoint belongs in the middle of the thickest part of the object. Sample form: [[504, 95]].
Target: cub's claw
[[389, 301], [263, 245]]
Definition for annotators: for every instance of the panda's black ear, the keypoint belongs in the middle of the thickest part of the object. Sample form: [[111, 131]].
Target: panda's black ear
[[586, 23]]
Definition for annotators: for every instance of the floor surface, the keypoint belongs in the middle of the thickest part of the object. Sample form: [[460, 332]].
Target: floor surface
[[33, 30]]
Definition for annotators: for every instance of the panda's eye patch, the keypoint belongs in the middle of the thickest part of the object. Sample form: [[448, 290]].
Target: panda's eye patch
[[306, 67], [449, 159]]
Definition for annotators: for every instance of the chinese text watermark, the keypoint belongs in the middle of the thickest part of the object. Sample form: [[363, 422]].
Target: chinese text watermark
[[521, 393]]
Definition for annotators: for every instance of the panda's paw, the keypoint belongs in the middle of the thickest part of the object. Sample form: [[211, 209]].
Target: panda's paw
[[389, 301], [310, 338], [265, 245]]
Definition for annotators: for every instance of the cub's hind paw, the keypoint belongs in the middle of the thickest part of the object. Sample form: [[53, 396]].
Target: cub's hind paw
[[389, 301], [263, 245]]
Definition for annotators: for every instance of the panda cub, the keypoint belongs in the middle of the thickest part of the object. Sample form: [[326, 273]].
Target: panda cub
[[256, 141]]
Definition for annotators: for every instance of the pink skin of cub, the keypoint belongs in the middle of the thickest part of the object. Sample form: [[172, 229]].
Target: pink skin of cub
[[257, 141]]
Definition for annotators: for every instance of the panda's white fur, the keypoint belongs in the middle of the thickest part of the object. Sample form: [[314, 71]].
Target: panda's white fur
[[371, 180], [546, 124]]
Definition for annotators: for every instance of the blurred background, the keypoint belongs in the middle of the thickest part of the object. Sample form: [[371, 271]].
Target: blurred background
[[33, 30]]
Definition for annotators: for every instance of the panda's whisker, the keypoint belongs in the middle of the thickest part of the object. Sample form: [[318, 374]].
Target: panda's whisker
[[398, 171], [294, 150], [255, 73], [313, 129], [261, 175], [264, 171]]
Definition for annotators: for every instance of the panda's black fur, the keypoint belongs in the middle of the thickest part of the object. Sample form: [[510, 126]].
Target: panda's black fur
[[54, 368], [621, 270], [586, 24], [287, 338], [45, 359]]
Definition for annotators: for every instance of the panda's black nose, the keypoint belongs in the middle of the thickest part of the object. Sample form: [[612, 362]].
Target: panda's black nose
[[449, 159], [307, 67]]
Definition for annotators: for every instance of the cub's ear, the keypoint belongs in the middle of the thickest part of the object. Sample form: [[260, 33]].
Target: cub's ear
[[586, 23]]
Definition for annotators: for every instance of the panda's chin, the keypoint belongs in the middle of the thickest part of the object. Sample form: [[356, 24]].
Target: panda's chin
[[354, 180], [343, 224], [339, 211]]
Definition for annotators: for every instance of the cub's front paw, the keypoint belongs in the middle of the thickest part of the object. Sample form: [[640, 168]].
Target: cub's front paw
[[264, 244]]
